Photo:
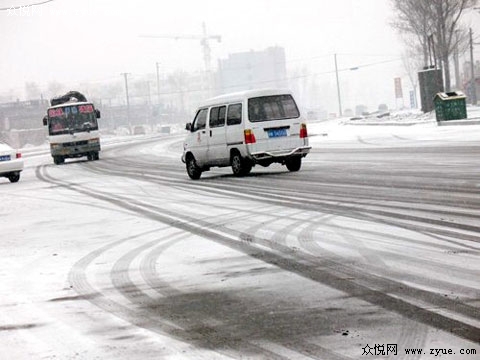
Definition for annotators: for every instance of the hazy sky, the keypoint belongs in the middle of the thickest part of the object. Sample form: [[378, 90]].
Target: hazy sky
[[94, 40]]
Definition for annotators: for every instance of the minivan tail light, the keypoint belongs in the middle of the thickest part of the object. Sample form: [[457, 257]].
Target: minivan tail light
[[19, 155], [249, 136], [303, 131]]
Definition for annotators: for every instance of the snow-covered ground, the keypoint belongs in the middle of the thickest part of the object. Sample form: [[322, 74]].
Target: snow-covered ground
[[103, 260], [396, 130]]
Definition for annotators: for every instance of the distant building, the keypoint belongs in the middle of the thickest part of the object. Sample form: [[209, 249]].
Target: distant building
[[360, 110], [382, 107], [21, 122], [251, 70], [22, 115]]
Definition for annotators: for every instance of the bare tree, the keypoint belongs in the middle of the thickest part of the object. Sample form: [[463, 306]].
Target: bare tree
[[446, 15], [413, 21], [437, 20]]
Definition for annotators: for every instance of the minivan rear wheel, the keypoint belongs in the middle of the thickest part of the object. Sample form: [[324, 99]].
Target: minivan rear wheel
[[294, 163], [193, 170], [14, 177], [240, 166]]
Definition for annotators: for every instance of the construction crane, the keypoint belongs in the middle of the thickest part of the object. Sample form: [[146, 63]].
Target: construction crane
[[204, 41]]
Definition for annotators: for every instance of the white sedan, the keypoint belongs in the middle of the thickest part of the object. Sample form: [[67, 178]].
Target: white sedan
[[11, 163]]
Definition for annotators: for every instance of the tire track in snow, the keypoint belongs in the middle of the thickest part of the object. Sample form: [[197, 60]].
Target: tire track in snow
[[327, 276], [195, 330], [412, 333]]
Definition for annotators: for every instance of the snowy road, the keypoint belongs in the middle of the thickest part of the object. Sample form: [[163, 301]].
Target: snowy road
[[376, 241]]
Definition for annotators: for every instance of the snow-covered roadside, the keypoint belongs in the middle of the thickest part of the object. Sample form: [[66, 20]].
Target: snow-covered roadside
[[398, 129]]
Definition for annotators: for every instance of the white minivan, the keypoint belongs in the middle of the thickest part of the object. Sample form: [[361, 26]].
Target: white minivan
[[244, 129]]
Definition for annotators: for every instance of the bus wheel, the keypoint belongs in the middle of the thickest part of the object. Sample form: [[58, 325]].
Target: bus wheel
[[93, 156], [58, 160], [294, 163], [192, 168]]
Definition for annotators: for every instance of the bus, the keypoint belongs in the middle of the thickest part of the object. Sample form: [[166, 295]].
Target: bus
[[72, 128]]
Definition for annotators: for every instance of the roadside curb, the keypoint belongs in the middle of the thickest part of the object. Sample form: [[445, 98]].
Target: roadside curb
[[473, 121], [390, 123]]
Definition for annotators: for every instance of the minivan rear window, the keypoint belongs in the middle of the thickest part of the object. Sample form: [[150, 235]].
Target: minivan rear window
[[275, 107]]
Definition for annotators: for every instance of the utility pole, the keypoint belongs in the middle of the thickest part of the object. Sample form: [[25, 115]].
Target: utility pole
[[456, 62], [338, 88], [149, 95], [157, 64], [125, 75], [472, 64]]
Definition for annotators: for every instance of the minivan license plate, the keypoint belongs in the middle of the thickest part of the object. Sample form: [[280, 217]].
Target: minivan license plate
[[277, 133], [4, 157]]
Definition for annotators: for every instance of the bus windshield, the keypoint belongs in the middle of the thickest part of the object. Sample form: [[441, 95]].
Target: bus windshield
[[72, 118]]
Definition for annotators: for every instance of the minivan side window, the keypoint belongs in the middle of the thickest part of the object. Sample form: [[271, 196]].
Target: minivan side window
[[217, 116], [200, 120], [234, 114], [276, 107]]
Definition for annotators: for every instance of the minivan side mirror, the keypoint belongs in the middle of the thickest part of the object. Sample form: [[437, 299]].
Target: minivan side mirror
[[45, 120], [97, 113], [188, 126]]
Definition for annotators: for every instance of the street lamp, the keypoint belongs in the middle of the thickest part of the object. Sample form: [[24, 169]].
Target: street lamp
[[125, 75], [338, 85], [473, 82], [338, 88]]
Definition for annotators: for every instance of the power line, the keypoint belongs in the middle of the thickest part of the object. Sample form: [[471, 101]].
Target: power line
[[25, 6], [296, 77], [276, 80]]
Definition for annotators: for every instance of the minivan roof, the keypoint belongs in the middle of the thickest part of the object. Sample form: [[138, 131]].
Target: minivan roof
[[240, 95]]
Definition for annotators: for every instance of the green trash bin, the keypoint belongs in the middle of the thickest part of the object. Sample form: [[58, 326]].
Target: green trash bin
[[450, 106]]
